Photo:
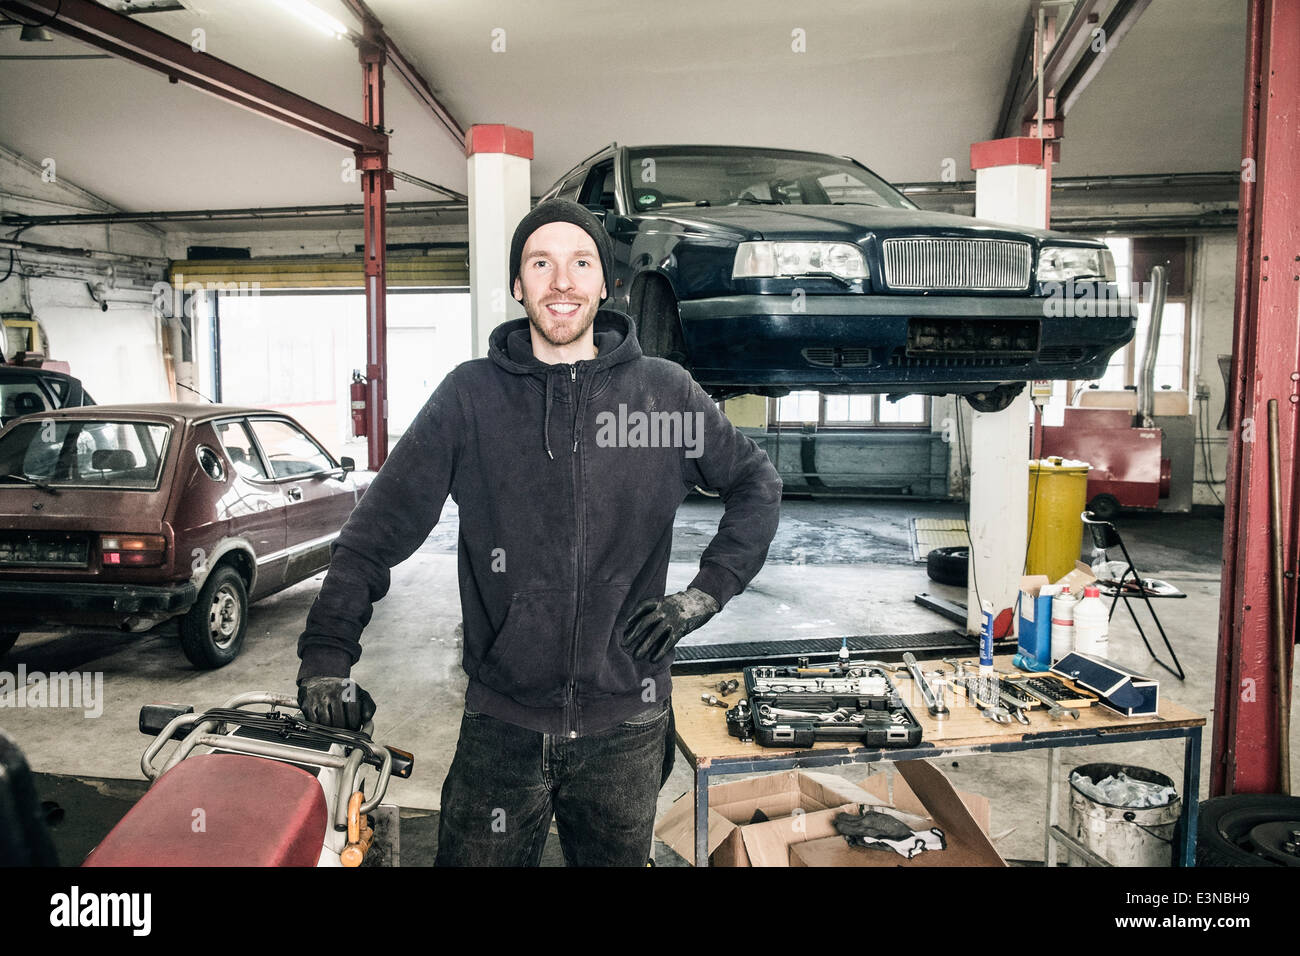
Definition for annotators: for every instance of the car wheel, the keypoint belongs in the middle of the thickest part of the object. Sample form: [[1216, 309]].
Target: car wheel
[[948, 565], [995, 399], [1247, 830], [659, 326], [1104, 507], [212, 631], [7, 640]]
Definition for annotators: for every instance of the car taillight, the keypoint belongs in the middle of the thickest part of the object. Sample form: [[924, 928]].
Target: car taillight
[[136, 550]]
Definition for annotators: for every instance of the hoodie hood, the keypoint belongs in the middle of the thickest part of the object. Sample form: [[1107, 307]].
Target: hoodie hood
[[510, 346]]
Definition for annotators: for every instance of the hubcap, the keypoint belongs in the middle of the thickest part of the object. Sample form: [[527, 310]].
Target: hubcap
[[223, 616]]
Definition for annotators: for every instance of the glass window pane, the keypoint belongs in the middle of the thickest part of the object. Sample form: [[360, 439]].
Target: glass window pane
[[799, 407], [837, 408], [239, 449], [288, 451], [906, 411]]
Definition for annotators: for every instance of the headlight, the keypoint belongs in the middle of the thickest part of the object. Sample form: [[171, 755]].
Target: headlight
[[769, 259], [1067, 263]]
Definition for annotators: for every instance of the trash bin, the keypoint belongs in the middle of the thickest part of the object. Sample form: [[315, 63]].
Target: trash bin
[[1124, 835], [1058, 494]]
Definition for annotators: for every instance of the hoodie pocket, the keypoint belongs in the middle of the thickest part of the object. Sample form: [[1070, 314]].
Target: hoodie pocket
[[607, 669], [529, 660]]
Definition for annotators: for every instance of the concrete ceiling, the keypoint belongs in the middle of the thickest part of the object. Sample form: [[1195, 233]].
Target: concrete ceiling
[[901, 85]]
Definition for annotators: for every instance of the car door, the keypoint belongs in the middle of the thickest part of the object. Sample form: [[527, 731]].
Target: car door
[[318, 501], [254, 504], [601, 189]]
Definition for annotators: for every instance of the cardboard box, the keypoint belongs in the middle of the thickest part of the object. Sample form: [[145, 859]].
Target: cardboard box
[[1122, 689], [800, 806], [920, 789], [1035, 641]]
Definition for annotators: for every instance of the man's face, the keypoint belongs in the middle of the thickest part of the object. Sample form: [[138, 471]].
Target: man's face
[[560, 282]]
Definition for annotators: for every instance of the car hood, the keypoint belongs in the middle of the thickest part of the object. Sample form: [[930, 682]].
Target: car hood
[[852, 223]]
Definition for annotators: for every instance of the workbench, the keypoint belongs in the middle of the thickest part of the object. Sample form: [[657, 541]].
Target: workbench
[[702, 735]]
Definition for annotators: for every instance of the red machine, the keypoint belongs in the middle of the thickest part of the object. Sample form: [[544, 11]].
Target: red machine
[[358, 398], [1128, 468]]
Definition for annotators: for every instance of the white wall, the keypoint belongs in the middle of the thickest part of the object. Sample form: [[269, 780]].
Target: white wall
[[1212, 297]]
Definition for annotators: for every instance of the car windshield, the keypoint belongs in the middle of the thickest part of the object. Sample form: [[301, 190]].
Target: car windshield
[[694, 176], [95, 454]]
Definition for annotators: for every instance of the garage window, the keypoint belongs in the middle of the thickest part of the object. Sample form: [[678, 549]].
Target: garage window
[[1133, 261], [848, 411]]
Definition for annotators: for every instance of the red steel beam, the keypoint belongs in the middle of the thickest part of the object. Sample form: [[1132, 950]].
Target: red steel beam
[[1266, 365], [376, 179], [407, 72], [115, 33]]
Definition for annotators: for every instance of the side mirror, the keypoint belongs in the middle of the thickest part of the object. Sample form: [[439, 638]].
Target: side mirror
[[347, 464]]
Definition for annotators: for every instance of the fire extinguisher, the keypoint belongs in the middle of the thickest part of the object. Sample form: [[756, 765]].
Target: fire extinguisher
[[358, 393]]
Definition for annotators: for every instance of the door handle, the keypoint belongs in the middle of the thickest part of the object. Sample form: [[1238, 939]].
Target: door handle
[[295, 494]]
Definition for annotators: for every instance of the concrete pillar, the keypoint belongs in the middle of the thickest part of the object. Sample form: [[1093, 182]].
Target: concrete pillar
[[1010, 187], [500, 168]]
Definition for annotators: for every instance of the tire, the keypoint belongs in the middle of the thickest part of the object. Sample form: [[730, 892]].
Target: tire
[[7, 640], [1224, 825], [212, 631], [949, 565], [659, 326], [1104, 507], [996, 398]]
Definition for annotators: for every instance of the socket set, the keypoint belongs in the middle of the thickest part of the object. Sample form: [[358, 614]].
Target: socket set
[[851, 702]]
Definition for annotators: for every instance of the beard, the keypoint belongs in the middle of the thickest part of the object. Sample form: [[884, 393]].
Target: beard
[[561, 333]]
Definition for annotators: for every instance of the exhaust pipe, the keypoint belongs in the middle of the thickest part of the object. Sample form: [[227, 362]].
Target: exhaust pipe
[[1147, 380]]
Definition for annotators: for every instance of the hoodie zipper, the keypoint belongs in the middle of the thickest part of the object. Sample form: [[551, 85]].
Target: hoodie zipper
[[577, 556]]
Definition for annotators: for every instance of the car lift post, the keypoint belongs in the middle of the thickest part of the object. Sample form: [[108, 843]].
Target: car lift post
[[1251, 689], [376, 179], [1011, 187], [500, 160]]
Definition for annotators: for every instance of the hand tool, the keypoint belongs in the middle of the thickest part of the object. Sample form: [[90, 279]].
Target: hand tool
[[1054, 710], [932, 701], [713, 701]]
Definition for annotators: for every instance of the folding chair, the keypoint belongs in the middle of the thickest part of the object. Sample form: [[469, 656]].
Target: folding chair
[[1105, 537]]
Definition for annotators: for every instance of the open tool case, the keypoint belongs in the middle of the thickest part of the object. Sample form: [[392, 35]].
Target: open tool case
[[850, 702]]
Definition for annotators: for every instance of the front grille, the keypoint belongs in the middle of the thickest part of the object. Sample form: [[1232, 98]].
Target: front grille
[[837, 357], [44, 549], [973, 265], [975, 339], [900, 359]]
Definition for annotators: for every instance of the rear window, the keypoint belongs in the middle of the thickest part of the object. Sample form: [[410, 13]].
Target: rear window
[[85, 454], [21, 396]]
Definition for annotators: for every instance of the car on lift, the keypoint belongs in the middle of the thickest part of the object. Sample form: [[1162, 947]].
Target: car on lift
[[29, 391], [126, 516], [767, 270]]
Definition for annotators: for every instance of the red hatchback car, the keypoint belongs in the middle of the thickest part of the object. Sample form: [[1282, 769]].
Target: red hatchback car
[[125, 516]]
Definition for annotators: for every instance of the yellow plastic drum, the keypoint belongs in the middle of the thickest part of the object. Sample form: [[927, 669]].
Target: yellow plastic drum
[[1058, 493]]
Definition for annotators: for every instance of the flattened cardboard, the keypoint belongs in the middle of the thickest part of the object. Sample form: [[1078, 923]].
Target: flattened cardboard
[[921, 789], [732, 806]]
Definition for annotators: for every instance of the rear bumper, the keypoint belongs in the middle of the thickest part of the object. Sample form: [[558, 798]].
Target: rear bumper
[[28, 603], [870, 341]]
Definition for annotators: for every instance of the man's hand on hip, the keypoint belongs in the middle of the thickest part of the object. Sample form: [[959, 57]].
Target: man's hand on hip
[[335, 702], [655, 627]]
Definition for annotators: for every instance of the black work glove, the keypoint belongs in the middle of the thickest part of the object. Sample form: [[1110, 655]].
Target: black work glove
[[655, 627], [335, 702]]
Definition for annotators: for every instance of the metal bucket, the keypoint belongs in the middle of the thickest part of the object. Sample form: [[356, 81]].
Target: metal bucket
[[1126, 836]]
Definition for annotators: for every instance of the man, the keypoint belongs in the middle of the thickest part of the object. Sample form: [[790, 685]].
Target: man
[[568, 453]]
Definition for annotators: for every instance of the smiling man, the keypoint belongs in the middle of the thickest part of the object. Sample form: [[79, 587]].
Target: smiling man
[[563, 559]]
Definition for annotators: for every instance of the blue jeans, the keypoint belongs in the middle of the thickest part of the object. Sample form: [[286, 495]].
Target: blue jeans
[[506, 782]]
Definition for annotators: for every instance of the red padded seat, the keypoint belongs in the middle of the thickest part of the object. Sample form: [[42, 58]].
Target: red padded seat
[[256, 812]]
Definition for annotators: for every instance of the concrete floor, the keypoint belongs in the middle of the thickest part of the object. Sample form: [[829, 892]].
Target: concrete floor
[[836, 567]]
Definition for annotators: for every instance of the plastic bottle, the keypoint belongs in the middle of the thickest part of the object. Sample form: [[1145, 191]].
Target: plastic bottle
[[1091, 624], [1063, 606], [986, 638]]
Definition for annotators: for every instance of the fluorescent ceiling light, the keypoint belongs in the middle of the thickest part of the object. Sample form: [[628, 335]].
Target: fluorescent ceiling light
[[317, 18]]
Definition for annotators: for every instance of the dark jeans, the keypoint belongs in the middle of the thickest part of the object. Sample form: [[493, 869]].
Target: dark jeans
[[506, 782]]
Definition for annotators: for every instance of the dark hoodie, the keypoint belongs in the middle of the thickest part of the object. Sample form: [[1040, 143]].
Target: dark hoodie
[[567, 477]]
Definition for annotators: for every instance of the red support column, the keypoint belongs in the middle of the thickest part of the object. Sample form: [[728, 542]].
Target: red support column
[[375, 180], [1248, 726]]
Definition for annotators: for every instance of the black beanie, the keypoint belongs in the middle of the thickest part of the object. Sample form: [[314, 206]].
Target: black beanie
[[562, 210]]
